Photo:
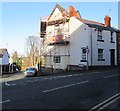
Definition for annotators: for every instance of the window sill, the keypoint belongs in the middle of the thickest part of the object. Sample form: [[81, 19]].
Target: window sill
[[112, 42], [100, 40], [83, 61], [101, 59]]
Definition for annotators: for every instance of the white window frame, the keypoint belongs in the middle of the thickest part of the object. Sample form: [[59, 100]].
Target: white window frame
[[111, 37], [101, 55], [99, 35], [57, 59], [84, 57]]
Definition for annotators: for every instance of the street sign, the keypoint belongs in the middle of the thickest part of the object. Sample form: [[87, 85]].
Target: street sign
[[87, 50]]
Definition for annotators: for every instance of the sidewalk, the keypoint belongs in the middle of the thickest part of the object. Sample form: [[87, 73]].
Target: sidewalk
[[5, 75], [11, 77], [62, 72]]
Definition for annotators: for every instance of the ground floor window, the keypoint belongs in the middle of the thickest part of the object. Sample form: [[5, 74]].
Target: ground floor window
[[57, 59], [84, 57], [83, 54], [100, 55]]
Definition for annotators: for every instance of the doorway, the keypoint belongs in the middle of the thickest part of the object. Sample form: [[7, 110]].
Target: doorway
[[112, 57]]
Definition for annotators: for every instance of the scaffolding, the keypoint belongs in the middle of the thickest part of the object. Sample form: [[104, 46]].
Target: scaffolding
[[55, 33]]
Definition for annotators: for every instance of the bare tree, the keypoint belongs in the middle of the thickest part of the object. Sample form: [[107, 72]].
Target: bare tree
[[32, 49]]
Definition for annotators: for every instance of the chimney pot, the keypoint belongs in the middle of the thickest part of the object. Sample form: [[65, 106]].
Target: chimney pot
[[107, 21]]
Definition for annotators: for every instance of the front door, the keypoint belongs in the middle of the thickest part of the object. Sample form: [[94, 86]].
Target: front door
[[112, 57]]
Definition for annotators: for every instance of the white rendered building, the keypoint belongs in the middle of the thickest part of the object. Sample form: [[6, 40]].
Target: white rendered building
[[71, 41], [4, 57]]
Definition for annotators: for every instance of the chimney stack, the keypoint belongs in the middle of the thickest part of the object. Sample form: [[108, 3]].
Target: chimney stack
[[107, 21], [73, 12]]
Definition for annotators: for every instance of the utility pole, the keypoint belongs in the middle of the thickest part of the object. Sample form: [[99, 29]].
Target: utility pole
[[87, 51], [1, 70]]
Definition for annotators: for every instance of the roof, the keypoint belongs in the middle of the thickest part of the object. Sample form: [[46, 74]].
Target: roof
[[90, 23], [2, 51], [98, 25]]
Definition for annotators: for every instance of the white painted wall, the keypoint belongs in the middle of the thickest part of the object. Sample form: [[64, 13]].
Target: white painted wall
[[106, 46], [5, 59], [59, 51], [78, 38]]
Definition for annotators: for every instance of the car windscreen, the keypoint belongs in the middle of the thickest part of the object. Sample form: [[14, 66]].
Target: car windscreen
[[31, 69]]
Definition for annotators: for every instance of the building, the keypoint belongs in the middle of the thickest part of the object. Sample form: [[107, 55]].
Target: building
[[69, 41], [4, 61], [118, 48], [4, 57]]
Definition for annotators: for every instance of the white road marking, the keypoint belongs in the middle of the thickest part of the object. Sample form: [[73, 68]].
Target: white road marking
[[50, 78], [56, 77], [13, 84], [45, 78], [7, 84], [66, 86], [109, 103], [104, 102], [64, 76], [4, 101], [69, 75], [111, 76]]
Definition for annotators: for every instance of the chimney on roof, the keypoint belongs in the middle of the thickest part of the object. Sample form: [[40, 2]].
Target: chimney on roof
[[107, 21], [73, 12]]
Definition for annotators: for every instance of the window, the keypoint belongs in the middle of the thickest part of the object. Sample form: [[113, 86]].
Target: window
[[100, 55], [99, 36], [83, 55], [56, 59], [111, 37]]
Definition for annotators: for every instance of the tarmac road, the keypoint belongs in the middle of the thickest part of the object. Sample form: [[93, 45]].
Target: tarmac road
[[72, 91]]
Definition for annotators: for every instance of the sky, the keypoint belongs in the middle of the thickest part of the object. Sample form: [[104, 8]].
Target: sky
[[21, 19]]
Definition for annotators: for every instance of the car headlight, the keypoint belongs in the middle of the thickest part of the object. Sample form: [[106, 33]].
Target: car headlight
[[25, 72]]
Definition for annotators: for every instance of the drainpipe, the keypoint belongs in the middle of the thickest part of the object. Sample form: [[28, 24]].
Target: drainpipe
[[1, 69], [91, 45]]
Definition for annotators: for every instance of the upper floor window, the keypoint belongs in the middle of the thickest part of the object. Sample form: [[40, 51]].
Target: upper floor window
[[111, 37], [100, 55], [99, 36]]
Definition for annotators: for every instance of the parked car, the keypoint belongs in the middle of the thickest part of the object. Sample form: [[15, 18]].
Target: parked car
[[31, 72]]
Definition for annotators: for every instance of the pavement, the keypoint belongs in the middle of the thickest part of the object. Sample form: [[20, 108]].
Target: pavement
[[12, 76], [62, 72], [20, 75]]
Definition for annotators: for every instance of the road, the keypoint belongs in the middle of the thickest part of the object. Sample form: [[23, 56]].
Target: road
[[90, 91]]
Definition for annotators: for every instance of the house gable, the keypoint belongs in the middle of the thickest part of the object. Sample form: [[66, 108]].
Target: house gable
[[4, 57], [57, 13]]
